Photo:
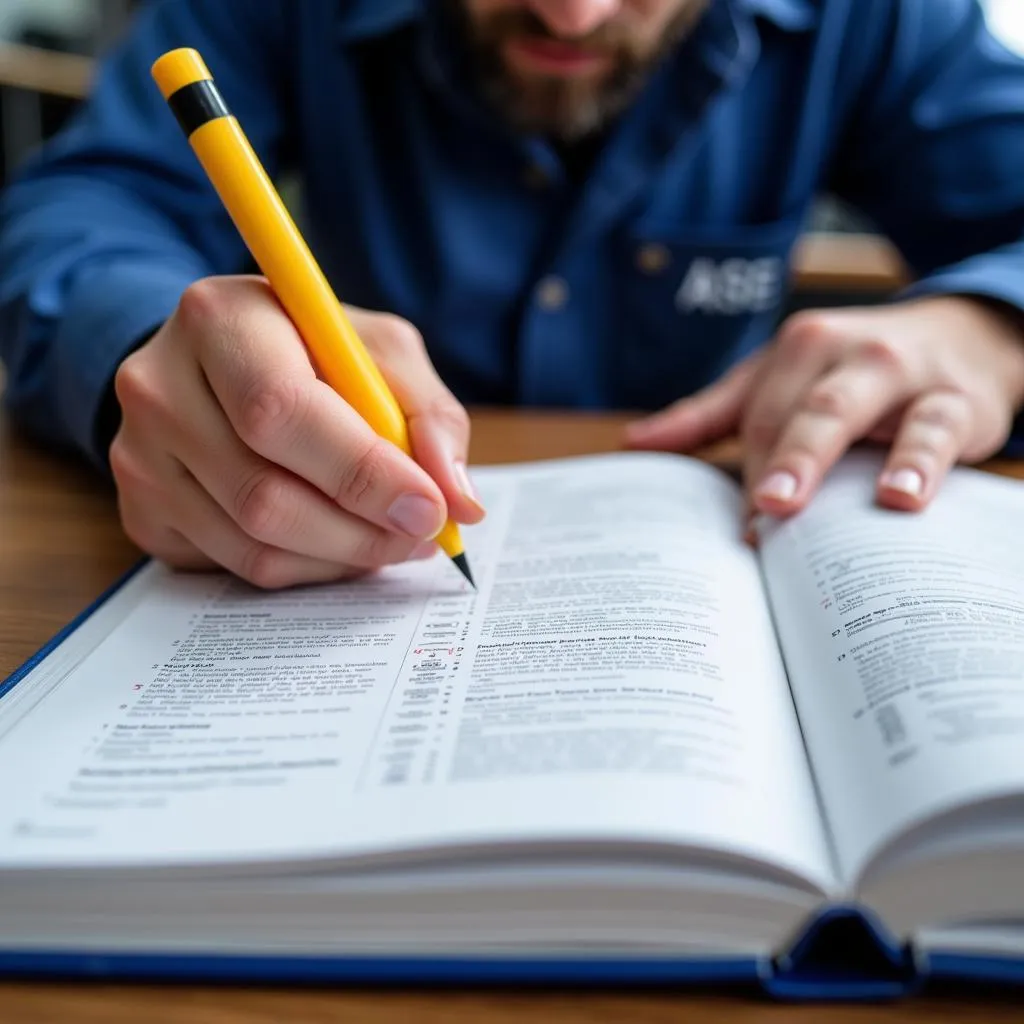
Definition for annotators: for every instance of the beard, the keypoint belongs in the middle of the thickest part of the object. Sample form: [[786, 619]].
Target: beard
[[567, 108]]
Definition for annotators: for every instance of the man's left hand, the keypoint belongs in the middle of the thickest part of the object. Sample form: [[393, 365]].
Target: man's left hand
[[940, 379]]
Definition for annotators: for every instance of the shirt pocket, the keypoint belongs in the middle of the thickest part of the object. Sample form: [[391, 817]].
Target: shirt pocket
[[695, 299]]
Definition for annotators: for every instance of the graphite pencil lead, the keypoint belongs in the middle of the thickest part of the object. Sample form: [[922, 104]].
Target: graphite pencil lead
[[463, 566]]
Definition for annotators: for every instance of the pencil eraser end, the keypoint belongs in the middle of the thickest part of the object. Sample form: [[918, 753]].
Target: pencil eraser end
[[178, 68]]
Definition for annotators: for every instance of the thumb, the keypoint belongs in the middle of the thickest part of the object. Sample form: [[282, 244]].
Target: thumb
[[438, 423], [709, 415]]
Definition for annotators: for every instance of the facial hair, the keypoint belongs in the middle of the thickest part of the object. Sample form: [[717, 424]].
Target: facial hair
[[567, 109]]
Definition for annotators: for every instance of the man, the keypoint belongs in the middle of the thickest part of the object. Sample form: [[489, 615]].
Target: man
[[552, 202]]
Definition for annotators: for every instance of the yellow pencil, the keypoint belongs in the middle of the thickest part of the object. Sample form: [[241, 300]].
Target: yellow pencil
[[282, 254]]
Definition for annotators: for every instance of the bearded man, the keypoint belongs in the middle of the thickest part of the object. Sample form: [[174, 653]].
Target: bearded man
[[571, 203]]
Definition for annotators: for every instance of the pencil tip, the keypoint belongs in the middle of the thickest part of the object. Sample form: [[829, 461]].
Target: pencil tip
[[462, 565]]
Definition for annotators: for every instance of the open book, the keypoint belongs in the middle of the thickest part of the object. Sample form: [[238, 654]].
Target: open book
[[641, 750]]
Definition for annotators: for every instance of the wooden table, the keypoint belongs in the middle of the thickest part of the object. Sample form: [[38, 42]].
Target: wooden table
[[51, 72], [60, 545]]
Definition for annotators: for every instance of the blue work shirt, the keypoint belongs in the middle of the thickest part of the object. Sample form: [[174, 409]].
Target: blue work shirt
[[629, 286]]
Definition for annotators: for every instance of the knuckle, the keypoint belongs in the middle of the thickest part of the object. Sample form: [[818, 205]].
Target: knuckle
[[828, 399], [449, 412], [260, 505], [362, 475], [885, 355], [927, 445], [261, 566], [799, 451], [948, 414], [937, 424], [397, 333], [138, 391], [269, 408], [201, 302], [805, 332]]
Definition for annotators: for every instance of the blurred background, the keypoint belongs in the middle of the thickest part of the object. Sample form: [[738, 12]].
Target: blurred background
[[47, 49]]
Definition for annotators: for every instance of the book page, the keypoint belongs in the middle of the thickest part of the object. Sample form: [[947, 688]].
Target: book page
[[903, 634], [615, 679]]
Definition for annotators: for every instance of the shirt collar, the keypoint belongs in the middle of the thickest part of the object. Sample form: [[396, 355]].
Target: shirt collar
[[790, 15]]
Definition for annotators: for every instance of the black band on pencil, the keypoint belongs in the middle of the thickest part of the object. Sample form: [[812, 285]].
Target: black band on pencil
[[195, 104]]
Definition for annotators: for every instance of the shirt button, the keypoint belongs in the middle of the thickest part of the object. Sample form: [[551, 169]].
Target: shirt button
[[552, 293], [653, 258]]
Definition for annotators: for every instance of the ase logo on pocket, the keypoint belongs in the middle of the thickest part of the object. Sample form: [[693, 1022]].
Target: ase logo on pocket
[[731, 287]]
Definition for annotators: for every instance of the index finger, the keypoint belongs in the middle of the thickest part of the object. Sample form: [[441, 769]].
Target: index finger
[[259, 371], [834, 412]]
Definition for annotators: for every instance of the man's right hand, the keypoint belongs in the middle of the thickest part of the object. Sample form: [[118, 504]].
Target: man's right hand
[[232, 453]]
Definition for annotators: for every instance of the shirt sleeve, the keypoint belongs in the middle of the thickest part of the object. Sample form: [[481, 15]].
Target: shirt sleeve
[[934, 149], [104, 228]]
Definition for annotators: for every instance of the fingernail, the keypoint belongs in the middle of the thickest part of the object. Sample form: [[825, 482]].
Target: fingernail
[[465, 482], [908, 481], [417, 516], [780, 485]]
